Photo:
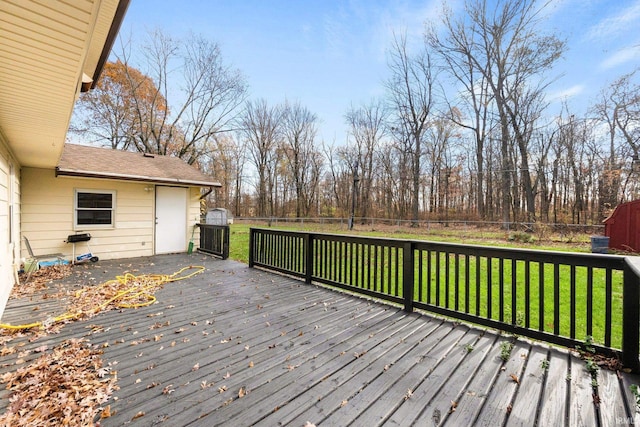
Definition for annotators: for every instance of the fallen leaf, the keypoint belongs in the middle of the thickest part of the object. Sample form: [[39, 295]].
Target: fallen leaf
[[195, 367], [309, 424], [222, 389], [408, 394], [168, 389], [514, 377], [343, 403], [242, 392], [227, 375], [251, 364], [453, 406], [138, 415], [106, 412]]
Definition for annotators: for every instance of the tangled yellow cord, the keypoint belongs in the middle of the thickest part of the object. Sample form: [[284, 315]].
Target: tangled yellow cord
[[140, 288]]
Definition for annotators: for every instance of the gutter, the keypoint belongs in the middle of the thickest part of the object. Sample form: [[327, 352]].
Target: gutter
[[127, 177], [121, 10]]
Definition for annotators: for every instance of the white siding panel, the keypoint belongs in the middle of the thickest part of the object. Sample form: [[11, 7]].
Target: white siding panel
[[8, 235], [47, 218]]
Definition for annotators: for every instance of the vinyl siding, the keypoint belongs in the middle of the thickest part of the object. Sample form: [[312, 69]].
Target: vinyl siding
[[47, 217], [9, 247]]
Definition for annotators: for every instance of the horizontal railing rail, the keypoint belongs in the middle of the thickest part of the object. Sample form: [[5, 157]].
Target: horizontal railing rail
[[214, 239], [571, 299]]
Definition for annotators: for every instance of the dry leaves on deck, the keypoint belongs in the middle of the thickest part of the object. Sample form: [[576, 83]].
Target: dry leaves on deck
[[65, 386], [39, 280]]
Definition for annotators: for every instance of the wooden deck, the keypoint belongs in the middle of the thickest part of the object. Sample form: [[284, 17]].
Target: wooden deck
[[238, 346]]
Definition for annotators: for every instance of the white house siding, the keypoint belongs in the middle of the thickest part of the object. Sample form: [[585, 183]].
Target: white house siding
[[9, 230], [47, 216], [193, 215]]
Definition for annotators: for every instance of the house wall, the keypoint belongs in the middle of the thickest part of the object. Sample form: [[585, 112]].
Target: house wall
[[9, 229], [47, 215], [193, 215]]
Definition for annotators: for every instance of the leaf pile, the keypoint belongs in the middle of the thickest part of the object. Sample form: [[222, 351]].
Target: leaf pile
[[39, 280], [125, 292], [63, 387]]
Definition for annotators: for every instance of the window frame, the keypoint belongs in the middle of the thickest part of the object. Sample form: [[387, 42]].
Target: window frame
[[76, 209]]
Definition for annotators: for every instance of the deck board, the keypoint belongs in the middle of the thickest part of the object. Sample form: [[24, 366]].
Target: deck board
[[553, 406], [530, 389], [240, 346]]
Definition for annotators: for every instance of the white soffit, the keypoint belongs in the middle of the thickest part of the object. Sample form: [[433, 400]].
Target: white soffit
[[45, 47]]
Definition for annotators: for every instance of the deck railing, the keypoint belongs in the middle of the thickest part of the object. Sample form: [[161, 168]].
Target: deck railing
[[570, 299], [214, 239]]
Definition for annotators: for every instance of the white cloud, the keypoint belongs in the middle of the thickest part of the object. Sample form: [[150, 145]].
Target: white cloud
[[405, 17], [567, 93], [620, 57], [617, 24]]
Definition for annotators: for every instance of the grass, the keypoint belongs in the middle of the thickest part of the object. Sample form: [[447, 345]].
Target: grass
[[378, 274]]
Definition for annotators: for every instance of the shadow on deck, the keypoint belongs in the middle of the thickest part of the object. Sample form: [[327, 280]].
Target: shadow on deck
[[239, 346]]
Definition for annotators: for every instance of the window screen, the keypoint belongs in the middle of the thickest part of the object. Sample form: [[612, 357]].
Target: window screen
[[94, 208]]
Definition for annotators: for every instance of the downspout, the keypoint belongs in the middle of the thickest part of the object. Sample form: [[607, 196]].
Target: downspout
[[209, 191]]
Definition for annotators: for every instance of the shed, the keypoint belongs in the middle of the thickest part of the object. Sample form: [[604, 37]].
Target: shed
[[219, 216], [623, 227]]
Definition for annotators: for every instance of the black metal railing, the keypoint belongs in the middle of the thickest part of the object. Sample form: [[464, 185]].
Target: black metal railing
[[214, 239], [570, 299]]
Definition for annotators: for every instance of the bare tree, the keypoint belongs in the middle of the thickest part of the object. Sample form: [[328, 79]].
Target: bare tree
[[303, 160], [201, 92], [367, 126], [226, 161], [261, 128], [502, 43], [410, 89], [116, 111]]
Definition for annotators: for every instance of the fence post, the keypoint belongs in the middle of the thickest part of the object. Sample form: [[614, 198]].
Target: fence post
[[309, 256], [407, 276], [630, 315], [252, 248]]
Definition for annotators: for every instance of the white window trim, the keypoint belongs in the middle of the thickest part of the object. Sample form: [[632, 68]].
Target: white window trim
[[79, 227]]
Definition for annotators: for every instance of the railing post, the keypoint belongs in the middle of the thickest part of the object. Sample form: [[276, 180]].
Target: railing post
[[407, 276], [309, 257], [201, 238], [252, 243], [225, 244], [630, 315]]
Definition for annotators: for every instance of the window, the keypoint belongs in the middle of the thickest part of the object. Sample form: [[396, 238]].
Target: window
[[94, 208]]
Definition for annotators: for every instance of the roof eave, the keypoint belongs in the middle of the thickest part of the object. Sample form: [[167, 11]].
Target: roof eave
[[138, 178], [123, 5]]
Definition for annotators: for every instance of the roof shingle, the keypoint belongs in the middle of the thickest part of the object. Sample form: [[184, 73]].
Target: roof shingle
[[94, 162]]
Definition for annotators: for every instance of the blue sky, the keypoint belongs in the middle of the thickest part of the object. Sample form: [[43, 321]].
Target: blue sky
[[330, 54]]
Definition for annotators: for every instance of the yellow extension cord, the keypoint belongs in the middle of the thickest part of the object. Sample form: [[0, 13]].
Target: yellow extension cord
[[132, 293]]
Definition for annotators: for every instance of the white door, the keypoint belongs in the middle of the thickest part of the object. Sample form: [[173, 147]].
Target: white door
[[171, 219]]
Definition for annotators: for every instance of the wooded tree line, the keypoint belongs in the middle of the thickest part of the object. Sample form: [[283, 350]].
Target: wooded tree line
[[463, 132]]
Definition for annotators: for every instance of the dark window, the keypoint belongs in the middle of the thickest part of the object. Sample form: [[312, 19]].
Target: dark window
[[94, 208]]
